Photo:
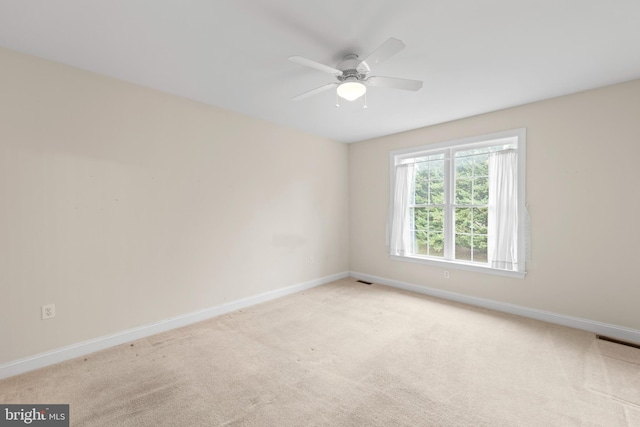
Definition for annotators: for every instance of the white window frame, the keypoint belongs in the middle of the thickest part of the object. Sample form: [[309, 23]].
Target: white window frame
[[467, 143]]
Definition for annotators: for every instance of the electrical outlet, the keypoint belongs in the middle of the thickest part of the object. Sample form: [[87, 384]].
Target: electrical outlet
[[446, 274], [48, 311]]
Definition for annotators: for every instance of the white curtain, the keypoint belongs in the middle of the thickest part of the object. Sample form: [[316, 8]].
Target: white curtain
[[503, 210], [400, 241]]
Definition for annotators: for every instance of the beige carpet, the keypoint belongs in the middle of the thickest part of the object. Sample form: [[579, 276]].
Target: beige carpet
[[348, 354]]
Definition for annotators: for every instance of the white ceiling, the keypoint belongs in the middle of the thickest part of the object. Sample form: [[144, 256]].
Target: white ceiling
[[474, 56]]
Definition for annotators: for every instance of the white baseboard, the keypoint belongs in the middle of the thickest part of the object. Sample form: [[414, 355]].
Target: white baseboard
[[83, 348], [598, 328]]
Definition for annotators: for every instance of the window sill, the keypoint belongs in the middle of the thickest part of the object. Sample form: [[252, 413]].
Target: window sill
[[459, 266]]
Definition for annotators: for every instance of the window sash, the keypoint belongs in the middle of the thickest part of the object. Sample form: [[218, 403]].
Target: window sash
[[449, 206]]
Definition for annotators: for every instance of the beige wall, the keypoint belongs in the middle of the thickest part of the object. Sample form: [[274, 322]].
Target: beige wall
[[125, 206], [583, 194]]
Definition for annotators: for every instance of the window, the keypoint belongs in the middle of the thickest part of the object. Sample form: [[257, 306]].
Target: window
[[461, 203]]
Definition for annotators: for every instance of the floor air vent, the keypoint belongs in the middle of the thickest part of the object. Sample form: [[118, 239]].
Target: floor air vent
[[362, 281], [628, 344]]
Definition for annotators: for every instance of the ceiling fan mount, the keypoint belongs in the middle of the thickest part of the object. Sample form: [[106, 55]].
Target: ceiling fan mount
[[352, 73]]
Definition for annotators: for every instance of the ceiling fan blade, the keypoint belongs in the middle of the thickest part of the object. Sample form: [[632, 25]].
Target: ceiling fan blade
[[394, 83], [314, 91], [313, 64], [383, 52]]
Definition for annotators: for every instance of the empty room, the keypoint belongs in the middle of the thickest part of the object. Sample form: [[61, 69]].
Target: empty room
[[338, 213]]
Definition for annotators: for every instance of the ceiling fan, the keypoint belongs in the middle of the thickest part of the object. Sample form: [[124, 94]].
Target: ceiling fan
[[353, 76]]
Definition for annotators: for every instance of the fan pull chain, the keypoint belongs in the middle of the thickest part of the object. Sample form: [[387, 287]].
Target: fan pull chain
[[337, 100], [365, 101]]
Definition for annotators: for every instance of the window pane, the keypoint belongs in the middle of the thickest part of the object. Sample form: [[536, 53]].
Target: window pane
[[428, 219], [421, 184], [436, 244], [436, 219], [480, 248], [463, 220], [481, 191], [436, 178], [420, 243], [480, 220], [463, 247], [463, 191], [436, 171], [412, 214], [429, 183], [464, 167], [437, 192], [481, 165], [420, 218], [428, 232]]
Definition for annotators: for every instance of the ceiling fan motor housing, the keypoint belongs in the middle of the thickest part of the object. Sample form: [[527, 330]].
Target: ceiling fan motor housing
[[352, 68]]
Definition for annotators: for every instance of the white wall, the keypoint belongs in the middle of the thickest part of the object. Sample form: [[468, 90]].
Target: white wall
[[126, 206], [583, 195]]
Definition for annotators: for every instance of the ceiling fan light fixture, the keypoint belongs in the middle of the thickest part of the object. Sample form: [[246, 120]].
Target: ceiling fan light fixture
[[351, 90]]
